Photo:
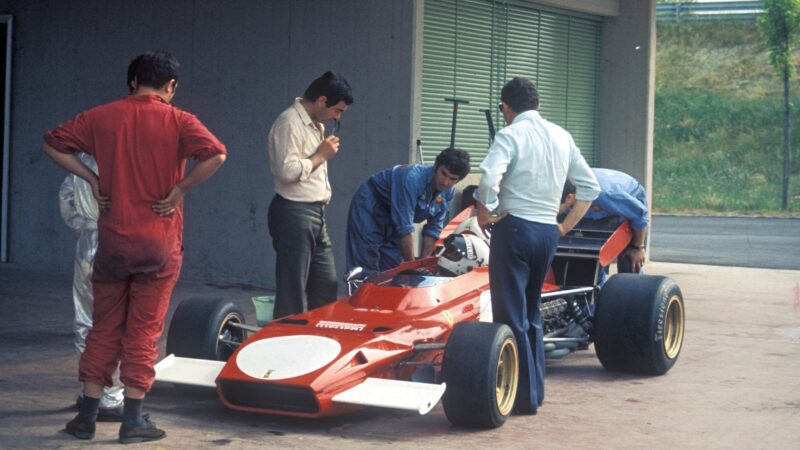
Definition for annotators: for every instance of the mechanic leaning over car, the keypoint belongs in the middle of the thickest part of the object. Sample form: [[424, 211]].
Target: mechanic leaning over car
[[305, 273], [620, 196], [518, 197], [383, 211], [141, 144]]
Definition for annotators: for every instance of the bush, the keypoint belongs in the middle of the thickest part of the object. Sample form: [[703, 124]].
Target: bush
[[718, 122]]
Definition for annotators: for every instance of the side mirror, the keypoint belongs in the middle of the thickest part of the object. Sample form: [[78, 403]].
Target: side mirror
[[353, 274], [354, 277]]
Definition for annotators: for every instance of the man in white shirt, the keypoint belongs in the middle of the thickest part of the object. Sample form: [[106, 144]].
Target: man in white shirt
[[305, 273], [518, 198]]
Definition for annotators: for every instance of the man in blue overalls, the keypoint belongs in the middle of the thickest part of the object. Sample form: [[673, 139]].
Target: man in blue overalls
[[620, 196], [383, 210]]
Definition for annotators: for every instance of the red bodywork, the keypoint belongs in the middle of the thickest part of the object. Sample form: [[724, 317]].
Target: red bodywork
[[394, 319], [377, 329]]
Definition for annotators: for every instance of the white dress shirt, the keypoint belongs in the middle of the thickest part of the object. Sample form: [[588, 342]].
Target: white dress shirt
[[293, 138], [526, 167]]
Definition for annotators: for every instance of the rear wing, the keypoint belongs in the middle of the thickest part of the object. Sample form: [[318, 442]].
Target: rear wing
[[597, 239], [590, 245]]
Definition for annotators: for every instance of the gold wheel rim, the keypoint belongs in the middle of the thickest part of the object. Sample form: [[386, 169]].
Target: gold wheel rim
[[673, 327], [507, 377]]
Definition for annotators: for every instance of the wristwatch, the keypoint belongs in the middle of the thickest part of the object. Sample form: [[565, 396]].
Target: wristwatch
[[637, 247]]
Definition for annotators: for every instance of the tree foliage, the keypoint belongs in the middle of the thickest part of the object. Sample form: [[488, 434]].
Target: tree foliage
[[780, 24]]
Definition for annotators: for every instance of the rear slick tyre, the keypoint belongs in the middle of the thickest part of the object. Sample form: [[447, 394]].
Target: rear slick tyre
[[481, 369], [639, 325]]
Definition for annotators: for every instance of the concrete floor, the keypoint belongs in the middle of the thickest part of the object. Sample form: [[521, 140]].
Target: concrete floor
[[736, 383]]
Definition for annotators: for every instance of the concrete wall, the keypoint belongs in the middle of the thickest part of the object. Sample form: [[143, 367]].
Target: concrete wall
[[627, 99], [242, 63]]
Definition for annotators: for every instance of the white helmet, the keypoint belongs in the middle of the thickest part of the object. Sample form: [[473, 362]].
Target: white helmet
[[471, 226], [462, 253]]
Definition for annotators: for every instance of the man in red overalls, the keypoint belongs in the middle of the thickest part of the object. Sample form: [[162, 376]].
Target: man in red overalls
[[141, 144]]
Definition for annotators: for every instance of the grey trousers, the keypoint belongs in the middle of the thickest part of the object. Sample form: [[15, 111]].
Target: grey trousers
[[305, 272]]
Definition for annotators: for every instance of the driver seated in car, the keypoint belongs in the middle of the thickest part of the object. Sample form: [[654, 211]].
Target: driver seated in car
[[461, 253]]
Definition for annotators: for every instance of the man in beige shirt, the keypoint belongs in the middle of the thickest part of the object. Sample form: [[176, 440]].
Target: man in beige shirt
[[305, 273]]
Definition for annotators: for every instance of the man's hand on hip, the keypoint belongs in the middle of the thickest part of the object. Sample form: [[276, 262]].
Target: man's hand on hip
[[167, 206], [486, 219]]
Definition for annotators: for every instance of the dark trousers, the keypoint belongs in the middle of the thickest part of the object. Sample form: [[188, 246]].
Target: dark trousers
[[521, 254], [305, 273]]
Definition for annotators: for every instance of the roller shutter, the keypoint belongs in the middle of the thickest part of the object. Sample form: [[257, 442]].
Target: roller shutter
[[472, 47]]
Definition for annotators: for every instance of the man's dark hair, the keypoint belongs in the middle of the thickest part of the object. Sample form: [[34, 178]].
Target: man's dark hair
[[132, 73], [331, 85], [153, 69], [569, 188], [455, 160], [520, 94]]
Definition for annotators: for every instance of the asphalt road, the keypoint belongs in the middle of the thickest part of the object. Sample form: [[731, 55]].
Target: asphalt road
[[771, 243]]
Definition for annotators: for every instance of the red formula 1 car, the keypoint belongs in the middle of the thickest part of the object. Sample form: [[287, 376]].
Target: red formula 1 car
[[408, 337]]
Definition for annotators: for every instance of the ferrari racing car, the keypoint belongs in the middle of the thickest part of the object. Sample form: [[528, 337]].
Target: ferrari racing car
[[413, 335]]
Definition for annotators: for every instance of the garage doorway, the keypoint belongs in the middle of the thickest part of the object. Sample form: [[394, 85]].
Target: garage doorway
[[5, 122]]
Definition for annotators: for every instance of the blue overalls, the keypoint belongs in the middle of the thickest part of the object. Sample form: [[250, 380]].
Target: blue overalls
[[385, 208], [621, 195]]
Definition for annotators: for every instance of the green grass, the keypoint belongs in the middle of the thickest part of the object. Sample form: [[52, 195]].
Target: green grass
[[719, 122]]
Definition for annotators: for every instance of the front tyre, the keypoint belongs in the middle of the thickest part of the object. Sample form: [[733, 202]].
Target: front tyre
[[639, 324], [201, 328], [481, 369]]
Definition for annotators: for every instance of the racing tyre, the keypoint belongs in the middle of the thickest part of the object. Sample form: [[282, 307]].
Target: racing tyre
[[201, 328], [481, 369], [639, 324]]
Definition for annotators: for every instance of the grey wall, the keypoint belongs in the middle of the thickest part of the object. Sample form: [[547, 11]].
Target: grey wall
[[628, 90], [242, 63]]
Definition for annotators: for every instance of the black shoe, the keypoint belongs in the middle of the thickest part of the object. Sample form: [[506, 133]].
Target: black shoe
[[80, 428], [145, 433]]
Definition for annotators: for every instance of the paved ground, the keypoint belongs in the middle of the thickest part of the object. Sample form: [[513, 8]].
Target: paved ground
[[767, 242], [736, 383]]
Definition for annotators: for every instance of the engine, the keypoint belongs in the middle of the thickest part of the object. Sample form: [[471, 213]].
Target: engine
[[567, 324]]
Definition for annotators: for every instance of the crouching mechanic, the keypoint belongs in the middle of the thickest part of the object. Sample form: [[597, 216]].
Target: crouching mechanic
[[141, 144], [620, 196], [383, 210]]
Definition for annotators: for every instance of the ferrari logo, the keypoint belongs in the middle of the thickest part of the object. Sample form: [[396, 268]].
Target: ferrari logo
[[267, 374]]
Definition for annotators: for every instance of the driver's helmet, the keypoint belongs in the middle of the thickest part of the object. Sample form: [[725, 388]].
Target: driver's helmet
[[470, 226], [462, 253]]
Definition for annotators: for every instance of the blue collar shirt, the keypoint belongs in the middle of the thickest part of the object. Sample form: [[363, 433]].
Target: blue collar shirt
[[408, 191], [621, 196]]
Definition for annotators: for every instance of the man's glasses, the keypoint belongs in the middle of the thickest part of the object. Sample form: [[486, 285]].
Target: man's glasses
[[500, 106]]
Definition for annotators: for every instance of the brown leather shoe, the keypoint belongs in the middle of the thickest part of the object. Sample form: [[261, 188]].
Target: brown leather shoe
[[145, 433], [80, 428]]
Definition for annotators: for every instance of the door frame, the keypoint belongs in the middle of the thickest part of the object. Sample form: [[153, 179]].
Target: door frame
[[4, 176]]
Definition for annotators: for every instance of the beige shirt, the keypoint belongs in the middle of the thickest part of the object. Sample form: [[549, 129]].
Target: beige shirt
[[293, 138]]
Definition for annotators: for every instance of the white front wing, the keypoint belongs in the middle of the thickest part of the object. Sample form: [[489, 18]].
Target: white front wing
[[380, 392]]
